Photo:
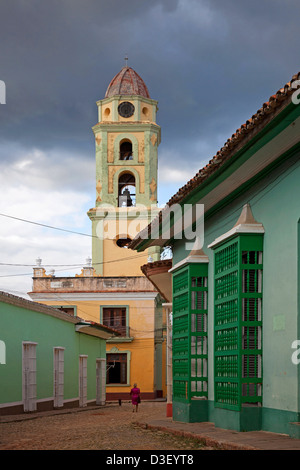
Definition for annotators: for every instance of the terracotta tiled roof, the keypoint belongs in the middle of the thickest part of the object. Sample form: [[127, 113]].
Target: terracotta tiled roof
[[127, 82], [269, 107], [276, 102]]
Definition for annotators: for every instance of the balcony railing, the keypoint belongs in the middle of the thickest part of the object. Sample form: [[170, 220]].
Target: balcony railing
[[123, 330]]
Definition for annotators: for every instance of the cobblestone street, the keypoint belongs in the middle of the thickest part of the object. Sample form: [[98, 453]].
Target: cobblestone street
[[111, 427]]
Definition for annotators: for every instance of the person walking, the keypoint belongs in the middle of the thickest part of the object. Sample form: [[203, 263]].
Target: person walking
[[135, 397]]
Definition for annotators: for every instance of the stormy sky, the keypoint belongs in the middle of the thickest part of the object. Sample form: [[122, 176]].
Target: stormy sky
[[210, 64]]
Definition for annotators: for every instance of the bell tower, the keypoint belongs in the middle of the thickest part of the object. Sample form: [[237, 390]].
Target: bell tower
[[126, 140]]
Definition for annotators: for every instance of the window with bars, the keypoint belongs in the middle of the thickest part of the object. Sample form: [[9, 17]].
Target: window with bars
[[190, 362], [180, 335], [238, 322]]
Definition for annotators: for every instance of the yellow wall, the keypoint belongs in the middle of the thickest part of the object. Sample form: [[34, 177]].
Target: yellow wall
[[141, 322]]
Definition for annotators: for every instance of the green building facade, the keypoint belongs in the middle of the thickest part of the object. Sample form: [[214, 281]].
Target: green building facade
[[236, 296], [48, 358]]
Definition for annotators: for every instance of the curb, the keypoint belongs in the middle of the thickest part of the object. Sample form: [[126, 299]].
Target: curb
[[205, 440]]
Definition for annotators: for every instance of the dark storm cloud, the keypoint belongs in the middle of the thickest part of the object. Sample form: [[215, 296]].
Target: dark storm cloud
[[57, 59], [210, 64]]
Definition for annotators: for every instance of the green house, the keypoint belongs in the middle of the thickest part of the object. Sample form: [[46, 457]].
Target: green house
[[49, 358], [236, 292]]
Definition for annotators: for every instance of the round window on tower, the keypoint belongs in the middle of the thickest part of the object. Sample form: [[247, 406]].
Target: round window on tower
[[126, 109], [145, 112]]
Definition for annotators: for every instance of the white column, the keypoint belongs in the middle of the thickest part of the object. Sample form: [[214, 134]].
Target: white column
[[101, 381], [168, 308]]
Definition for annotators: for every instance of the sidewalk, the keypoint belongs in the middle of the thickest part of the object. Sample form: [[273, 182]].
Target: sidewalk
[[206, 433], [224, 439]]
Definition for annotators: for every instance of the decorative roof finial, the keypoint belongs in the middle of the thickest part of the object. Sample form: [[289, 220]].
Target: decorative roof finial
[[126, 61]]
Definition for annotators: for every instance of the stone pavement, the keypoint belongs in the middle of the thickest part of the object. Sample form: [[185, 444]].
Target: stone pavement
[[206, 433]]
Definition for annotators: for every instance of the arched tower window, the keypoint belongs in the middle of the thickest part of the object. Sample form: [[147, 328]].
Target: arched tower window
[[125, 150], [126, 190]]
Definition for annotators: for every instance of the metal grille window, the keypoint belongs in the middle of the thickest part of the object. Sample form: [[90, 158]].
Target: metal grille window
[[199, 323], [180, 348], [238, 322], [251, 280], [190, 291], [199, 300], [251, 309]]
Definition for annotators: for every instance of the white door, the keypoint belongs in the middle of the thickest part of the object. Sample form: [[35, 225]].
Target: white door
[[83, 381], [58, 379], [100, 381], [29, 376]]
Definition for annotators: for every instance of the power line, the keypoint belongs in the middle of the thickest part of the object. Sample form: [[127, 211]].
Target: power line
[[48, 226], [72, 266]]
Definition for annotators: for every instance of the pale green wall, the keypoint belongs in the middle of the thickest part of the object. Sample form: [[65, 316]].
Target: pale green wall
[[275, 203], [18, 325]]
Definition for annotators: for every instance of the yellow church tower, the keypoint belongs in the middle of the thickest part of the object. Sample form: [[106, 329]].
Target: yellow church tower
[[112, 289], [126, 139]]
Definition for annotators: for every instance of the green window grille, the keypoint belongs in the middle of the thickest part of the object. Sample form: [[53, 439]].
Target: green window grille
[[189, 332], [238, 322]]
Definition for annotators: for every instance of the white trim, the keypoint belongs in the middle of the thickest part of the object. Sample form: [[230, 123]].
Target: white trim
[[103, 296], [239, 229], [116, 350], [188, 260]]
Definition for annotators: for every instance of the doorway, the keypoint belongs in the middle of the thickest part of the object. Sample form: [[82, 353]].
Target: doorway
[[83, 381], [58, 377], [29, 377]]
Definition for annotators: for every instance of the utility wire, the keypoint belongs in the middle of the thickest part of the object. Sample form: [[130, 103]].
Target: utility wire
[[72, 266], [48, 226]]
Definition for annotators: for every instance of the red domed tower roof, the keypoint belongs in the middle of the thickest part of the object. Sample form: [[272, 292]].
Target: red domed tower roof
[[127, 82]]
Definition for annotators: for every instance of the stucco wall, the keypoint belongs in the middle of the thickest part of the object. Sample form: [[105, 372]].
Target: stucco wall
[[20, 324], [275, 203]]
